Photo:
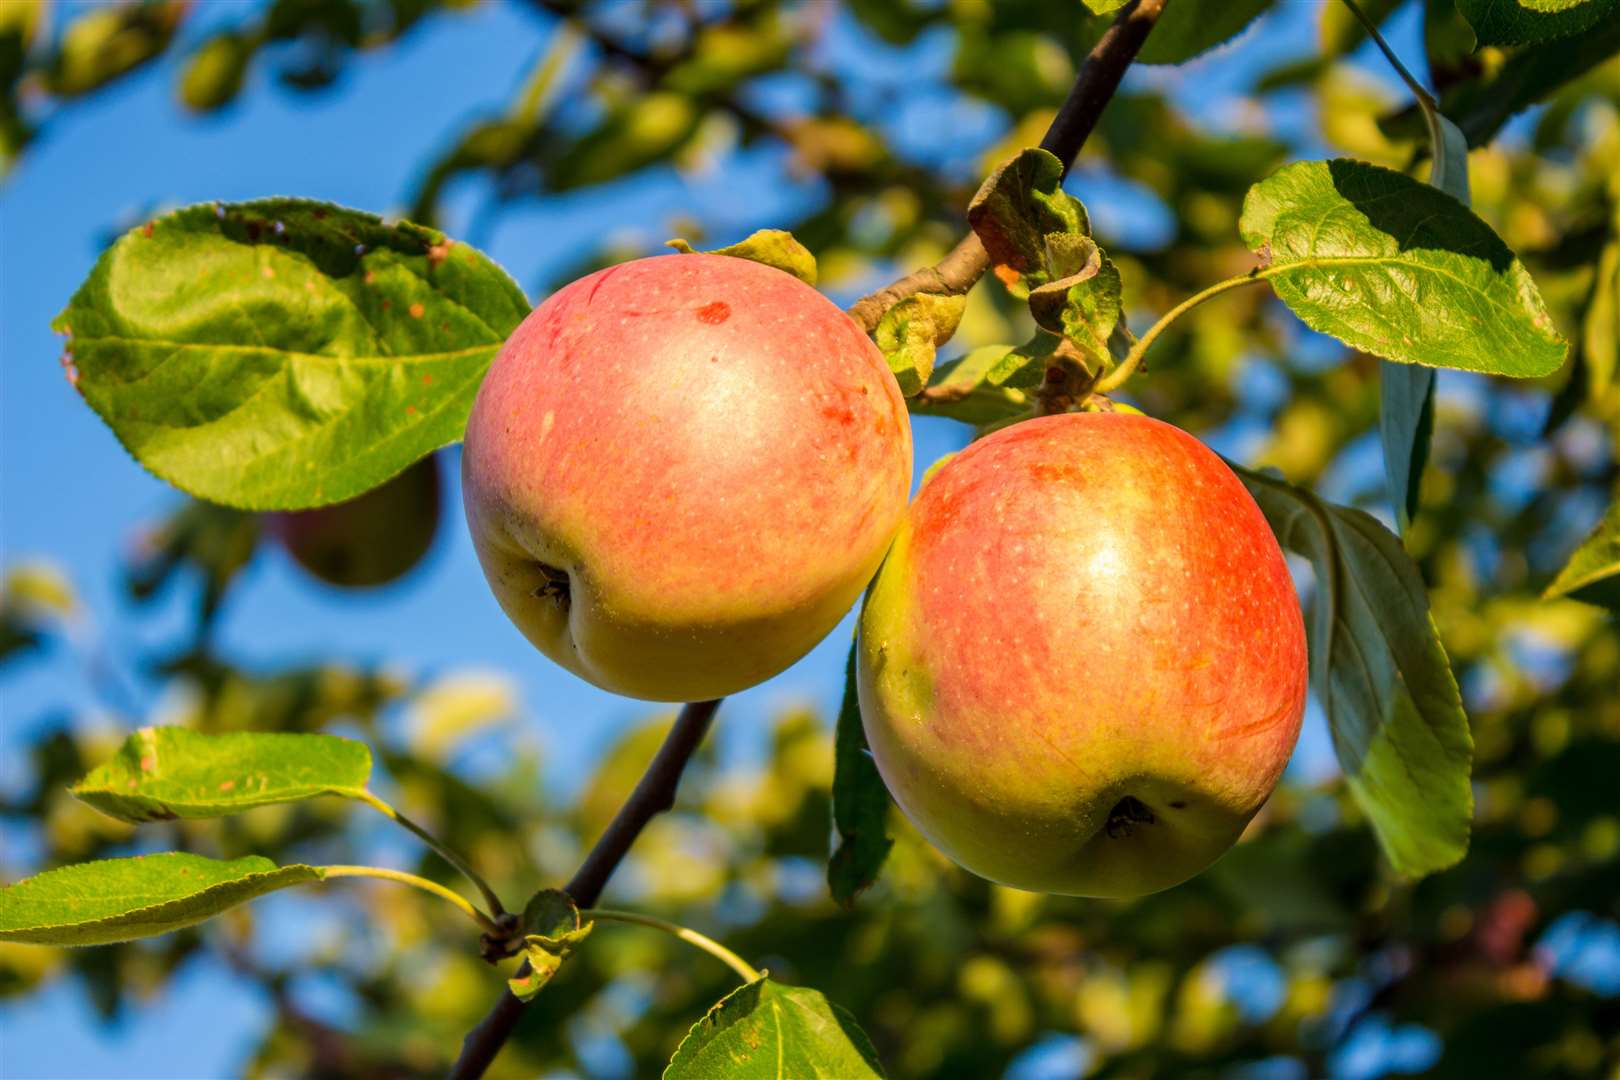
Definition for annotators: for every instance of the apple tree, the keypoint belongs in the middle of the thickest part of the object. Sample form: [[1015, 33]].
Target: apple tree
[[1048, 832]]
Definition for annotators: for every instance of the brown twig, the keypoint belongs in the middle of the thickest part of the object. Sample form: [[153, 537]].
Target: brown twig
[[654, 794], [1099, 77]]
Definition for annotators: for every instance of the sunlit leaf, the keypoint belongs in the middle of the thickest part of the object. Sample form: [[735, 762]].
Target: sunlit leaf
[[1083, 301], [1394, 267], [770, 1030], [773, 247], [1593, 572], [1015, 209], [285, 354], [172, 772], [1382, 676], [96, 903], [912, 331], [551, 931]]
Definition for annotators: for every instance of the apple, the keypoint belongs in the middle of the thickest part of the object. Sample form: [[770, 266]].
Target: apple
[[1082, 666], [681, 471], [370, 540]]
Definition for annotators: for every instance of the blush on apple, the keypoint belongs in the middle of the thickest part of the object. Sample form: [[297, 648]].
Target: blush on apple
[[1082, 666]]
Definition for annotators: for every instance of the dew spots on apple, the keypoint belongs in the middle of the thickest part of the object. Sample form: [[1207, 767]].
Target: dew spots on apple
[[714, 314]]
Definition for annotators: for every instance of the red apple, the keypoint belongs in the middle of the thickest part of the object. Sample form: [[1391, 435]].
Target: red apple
[[681, 471], [1082, 666], [371, 539]]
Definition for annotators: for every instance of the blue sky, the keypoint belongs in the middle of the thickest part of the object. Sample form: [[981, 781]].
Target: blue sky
[[69, 492]]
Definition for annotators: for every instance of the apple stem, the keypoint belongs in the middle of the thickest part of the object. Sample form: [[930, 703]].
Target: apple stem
[[1133, 359]]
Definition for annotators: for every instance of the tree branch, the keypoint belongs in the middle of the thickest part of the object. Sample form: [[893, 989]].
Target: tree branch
[[654, 794], [1099, 77]]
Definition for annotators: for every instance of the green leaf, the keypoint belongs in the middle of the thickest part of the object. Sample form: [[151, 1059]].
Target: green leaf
[[1103, 7], [860, 803], [1382, 677], [911, 332], [552, 931], [771, 1030], [170, 772], [283, 354], [1521, 22], [1190, 27], [1405, 428], [1406, 391], [645, 129], [106, 43], [773, 247], [97, 903], [987, 385], [1600, 327], [1398, 269], [1481, 105], [1083, 301], [214, 73], [1015, 209], [1592, 574]]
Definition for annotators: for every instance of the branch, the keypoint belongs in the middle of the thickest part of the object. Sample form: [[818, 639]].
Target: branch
[[1099, 77], [654, 794]]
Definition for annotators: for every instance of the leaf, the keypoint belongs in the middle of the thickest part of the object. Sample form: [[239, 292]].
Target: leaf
[[912, 331], [1103, 7], [1480, 106], [772, 1030], [283, 354], [1406, 391], [1382, 676], [1405, 427], [106, 43], [1600, 328], [1394, 267], [773, 247], [170, 772], [987, 385], [1015, 209], [860, 803], [1521, 22], [645, 129], [1592, 574], [214, 73], [1190, 27], [97, 903], [552, 930], [1083, 302]]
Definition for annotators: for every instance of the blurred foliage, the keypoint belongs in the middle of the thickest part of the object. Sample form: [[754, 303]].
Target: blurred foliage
[[1298, 955]]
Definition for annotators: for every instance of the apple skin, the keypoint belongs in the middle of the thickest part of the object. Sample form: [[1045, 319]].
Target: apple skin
[[1082, 666], [681, 471], [372, 539]]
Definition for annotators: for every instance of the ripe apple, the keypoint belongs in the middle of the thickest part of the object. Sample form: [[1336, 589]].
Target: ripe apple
[[1082, 666], [369, 540], [681, 471]]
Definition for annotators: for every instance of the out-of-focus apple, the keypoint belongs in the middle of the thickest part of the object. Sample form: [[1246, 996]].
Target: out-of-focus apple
[[371, 539], [681, 471], [1082, 666]]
